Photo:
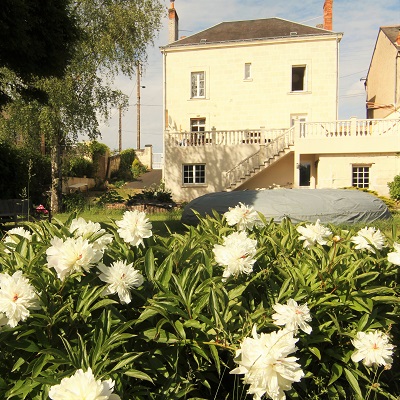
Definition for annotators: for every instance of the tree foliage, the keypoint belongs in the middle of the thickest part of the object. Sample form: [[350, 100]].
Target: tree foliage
[[36, 40], [113, 37]]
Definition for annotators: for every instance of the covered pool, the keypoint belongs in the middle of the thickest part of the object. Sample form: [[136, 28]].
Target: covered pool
[[337, 206]]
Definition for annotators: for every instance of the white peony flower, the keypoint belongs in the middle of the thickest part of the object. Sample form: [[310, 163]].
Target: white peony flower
[[245, 217], [394, 257], [79, 227], [235, 254], [17, 297], [264, 361], [71, 255], [13, 236], [83, 386], [373, 348], [134, 227], [292, 316], [313, 233], [121, 278], [368, 238]]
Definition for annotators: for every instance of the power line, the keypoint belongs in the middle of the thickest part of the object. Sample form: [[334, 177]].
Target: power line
[[354, 73]]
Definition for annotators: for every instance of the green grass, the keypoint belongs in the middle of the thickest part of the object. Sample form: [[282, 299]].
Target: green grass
[[161, 221]]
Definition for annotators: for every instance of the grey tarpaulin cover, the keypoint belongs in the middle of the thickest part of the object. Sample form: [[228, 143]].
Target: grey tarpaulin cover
[[336, 206]]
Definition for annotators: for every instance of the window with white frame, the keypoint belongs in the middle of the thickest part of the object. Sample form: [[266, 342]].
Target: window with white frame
[[299, 81], [197, 85], [194, 174], [197, 124], [247, 71], [360, 176]]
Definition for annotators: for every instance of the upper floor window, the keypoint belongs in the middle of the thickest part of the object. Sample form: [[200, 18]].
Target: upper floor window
[[197, 85], [247, 71], [197, 124], [360, 177], [299, 83]]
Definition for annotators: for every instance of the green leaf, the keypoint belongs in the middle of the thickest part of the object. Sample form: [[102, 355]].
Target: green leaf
[[179, 329], [337, 371], [17, 364], [351, 379], [127, 359], [39, 364], [316, 352], [102, 303], [161, 335], [26, 345], [363, 322], [134, 373], [149, 265], [215, 356], [193, 323], [164, 271]]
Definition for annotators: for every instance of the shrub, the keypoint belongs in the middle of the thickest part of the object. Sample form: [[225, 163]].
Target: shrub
[[169, 320], [22, 168], [79, 167], [72, 202], [124, 171], [153, 193], [394, 188], [109, 197], [137, 168]]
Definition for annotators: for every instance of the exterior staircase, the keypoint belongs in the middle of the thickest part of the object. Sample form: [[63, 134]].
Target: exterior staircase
[[265, 156]]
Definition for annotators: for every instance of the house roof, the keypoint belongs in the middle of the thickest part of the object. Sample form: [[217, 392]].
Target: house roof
[[251, 30], [391, 32]]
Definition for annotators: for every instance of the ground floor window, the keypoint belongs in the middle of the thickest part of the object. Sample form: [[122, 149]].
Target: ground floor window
[[194, 173], [360, 177]]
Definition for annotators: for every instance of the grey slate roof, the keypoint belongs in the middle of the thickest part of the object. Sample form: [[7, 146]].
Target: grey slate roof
[[250, 30], [391, 32]]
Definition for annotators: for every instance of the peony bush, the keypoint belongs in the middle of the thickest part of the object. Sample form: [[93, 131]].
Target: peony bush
[[237, 307]]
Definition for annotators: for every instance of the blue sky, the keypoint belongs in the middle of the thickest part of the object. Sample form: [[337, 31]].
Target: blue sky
[[358, 20]]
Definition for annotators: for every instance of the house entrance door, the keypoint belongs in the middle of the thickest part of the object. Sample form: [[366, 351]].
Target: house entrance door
[[305, 174]]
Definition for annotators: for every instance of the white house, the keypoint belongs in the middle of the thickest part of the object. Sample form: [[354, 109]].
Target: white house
[[253, 104], [383, 79]]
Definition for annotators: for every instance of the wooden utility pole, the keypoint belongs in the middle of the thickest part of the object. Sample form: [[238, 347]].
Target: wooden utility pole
[[138, 106], [120, 129]]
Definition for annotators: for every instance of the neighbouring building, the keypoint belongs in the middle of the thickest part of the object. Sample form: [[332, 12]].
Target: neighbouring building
[[383, 79], [254, 104]]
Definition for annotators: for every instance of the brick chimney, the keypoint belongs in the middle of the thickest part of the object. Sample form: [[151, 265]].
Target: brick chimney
[[172, 23], [328, 14], [398, 39]]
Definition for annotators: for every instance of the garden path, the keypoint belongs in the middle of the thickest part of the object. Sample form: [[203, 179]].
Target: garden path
[[149, 178]]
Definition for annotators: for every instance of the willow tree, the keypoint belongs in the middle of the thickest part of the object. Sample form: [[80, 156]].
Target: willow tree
[[113, 37]]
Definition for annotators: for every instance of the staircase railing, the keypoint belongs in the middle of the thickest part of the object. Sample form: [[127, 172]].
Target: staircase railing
[[260, 158]]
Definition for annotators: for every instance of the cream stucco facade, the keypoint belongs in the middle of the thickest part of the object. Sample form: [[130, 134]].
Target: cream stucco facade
[[236, 119], [265, 98]]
